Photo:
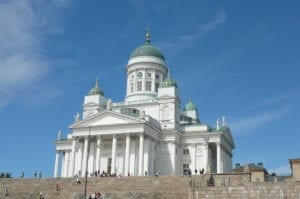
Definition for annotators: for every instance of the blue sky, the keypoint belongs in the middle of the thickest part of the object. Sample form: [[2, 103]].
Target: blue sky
[[234, 58]]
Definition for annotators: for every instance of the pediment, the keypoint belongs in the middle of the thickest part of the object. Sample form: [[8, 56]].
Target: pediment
[[106, 118]]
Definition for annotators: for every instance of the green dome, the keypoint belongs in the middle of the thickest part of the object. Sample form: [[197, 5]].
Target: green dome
[[147, 49], [190, 106], [96, 90], [169, 82]]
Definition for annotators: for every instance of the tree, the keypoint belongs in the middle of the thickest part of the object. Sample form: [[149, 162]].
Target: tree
[[5, 175]]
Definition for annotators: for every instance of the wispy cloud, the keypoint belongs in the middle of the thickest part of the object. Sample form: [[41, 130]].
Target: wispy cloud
[[186, 40], [22, 61], [250, 123], [277, 99]]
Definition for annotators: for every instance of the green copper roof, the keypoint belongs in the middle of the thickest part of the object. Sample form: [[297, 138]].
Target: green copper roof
[[147, 49], [96, 90], [190, 106], [169, 82]]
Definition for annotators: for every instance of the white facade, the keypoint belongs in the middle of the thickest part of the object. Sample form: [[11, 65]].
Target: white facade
[[146, 134]]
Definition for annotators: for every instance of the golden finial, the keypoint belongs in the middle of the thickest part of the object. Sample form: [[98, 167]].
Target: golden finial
[[148, 35]]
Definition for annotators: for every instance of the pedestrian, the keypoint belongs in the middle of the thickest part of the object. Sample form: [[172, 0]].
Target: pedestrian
[[5, 191], [77, 180], [196, 171], [57, 187], [41, 195], [40, 174], [35, 174]]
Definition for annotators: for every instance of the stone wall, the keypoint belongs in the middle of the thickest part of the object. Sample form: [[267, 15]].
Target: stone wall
[[166, 187]]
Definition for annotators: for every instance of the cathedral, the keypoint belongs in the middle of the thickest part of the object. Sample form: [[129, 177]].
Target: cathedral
[[147, 133]]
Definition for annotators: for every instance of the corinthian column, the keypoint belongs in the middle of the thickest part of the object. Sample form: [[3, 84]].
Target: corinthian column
[[98, 152], [114, 154], [141, 154], [127, 152], [218, 157], [56, 164], [85, 154], [73, 156]]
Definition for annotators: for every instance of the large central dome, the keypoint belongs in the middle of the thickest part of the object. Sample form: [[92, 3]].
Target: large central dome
[[147, 50]]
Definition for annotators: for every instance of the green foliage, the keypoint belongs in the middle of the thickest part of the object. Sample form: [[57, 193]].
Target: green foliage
[[5, 175]]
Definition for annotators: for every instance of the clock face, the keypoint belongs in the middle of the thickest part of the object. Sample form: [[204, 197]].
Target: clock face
[[140, 74]]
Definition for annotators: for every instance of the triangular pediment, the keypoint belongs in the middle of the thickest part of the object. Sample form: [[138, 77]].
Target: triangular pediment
[[106, 118]]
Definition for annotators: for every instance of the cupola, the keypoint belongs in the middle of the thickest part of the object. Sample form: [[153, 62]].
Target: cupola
[[96, 90], [169, 82]]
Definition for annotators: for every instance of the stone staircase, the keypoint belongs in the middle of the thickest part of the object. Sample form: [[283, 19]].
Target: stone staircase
[[166, 187]]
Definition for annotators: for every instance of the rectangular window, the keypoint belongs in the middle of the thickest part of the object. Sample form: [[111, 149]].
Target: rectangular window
[[148, 86], [186, 151], [139, 86], [148, 74]]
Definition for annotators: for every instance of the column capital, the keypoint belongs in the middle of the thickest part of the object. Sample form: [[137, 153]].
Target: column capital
[[74, 138]]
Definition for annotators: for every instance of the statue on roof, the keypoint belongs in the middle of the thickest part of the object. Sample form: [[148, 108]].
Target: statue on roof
[[59, 135], [223, 121], [218, 124], [108, 104], [77, 117]]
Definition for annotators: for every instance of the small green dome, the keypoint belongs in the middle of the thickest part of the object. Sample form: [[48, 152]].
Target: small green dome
[[169, 82], [96, 90], [190, 106], [147, 49]]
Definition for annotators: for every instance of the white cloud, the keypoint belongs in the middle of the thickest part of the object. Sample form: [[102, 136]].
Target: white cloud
[[186, 40], [23, 25], [250, 123], [218, 20]]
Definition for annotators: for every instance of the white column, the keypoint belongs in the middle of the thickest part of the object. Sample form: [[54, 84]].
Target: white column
[[56, 164], [66, 164], [195, 160], [73, 156], [127, 150], [98, 152], [146, 156], [218, 157], [62, 171], [85, 154], [113, 154], [141, 154], [205, 157]]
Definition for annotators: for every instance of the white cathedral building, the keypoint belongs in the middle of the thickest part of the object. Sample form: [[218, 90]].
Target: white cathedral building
[[147, 133]]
